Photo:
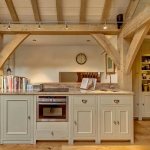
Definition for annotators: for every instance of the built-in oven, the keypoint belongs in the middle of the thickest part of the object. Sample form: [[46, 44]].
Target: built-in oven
[[52, 108]]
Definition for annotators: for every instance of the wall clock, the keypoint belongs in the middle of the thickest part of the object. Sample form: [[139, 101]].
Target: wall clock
[[81, 58]]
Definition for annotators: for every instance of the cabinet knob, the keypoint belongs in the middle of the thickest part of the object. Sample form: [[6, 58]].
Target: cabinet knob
[[115, 122], [137, 104], [75, 122], [116, 101], [143, 104], [29, 117], [118, 122], [84, 101], [52, 133]]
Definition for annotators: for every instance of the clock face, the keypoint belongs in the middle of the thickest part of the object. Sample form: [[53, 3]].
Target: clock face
[[81, 58]]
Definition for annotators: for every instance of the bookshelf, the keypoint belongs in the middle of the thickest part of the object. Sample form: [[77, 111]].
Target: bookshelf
[[145, 72]]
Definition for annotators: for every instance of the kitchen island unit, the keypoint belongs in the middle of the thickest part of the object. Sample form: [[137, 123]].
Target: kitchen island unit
[[92, 115]]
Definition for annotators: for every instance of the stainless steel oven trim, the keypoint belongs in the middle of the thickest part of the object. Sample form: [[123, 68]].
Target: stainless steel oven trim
[[52, 120]]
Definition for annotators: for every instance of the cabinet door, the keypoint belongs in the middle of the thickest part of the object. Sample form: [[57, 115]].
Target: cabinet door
[[146, 105], [17, 117], [123, 122], [84, 122], [108, 122]]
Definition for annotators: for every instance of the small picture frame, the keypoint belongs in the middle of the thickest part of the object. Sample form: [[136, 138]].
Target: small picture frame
[[110, 66]]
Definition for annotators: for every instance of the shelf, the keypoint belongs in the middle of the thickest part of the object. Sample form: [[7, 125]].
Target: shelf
[[146, 79], [145, 70], [145, 63]]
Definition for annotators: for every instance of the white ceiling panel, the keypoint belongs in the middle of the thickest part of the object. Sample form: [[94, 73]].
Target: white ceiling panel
[[24, 11], [93, 19], [2, 3], [22, 3], [49, 18], [26, 18], [48, 11], [5, 18], [4, 11], [96, 3], [120, 3], [94, 11], [71, 18], [47, 3], [71, 11], [71, 3]]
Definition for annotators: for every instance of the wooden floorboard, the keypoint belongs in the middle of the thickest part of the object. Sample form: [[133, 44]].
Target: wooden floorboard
[[142, 142]]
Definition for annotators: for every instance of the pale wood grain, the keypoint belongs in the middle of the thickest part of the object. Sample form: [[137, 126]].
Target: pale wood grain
[[12, 10]]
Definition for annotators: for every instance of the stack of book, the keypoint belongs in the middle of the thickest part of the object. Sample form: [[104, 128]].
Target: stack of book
[[13, 83]]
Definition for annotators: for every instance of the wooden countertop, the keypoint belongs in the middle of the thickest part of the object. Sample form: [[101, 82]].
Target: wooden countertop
[[71, 92]]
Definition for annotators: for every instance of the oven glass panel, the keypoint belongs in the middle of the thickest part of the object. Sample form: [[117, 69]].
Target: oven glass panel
[[52, 111]]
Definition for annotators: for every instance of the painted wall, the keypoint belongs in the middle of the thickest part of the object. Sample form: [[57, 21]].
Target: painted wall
[[136, 72], [43, 63]]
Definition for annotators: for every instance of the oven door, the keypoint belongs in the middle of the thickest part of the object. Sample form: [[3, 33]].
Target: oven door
[[51, 111]]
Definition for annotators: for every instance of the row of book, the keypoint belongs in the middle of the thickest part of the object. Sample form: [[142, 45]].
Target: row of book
[[13, 83]]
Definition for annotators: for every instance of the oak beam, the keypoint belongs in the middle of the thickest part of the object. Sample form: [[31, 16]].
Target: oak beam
[[83, 8], [36, 11], [106, 10], [124, 80], [1, 41], [59, 10], [12, 10], [135, 46], [131, 9], [59, 29], [11, 47], [108, 47], [137, 22]]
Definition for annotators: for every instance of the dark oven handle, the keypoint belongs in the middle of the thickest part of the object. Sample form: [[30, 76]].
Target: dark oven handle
[[51, 103]]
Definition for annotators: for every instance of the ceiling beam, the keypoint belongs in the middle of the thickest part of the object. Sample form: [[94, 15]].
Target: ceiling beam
[[106, 10], [1, 41], [135, 46], [11, 47], [136, 23], [83, 8], [104, 42], [58, 29], [131, 9], [12, 10], [59, 9], [36, 11]]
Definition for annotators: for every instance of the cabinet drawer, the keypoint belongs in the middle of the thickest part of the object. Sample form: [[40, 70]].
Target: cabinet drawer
[[89, 100], [51, 135], [52, 131], [116, 99]]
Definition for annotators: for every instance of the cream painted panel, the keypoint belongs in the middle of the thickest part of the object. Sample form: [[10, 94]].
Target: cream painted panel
[[123, 115], [55, 59], [84, 122], [145, 104], [107, 122], [17, 110], [17, 118]]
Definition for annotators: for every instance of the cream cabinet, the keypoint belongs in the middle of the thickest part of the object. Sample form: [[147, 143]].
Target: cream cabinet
[[17, 119], [145, 105], [84, 117], [116, 117], [52, 131]]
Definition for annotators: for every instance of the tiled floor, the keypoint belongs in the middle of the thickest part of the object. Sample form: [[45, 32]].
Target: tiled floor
[[142, 142]]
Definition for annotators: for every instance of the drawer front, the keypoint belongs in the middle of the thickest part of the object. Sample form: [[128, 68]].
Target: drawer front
[[52, 125], [51, 135], [52, 131], [116, 99], [89, 100]]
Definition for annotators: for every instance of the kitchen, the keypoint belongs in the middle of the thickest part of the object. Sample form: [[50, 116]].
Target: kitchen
[[42, 58]]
